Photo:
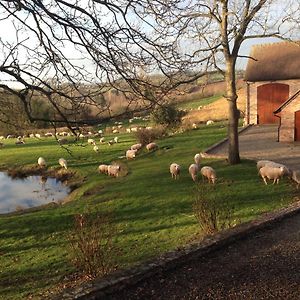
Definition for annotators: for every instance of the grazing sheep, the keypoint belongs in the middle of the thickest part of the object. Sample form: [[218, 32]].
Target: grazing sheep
[[210, 122], [134, 129], [128, 130], [130, 154], [20, 142], [209, 173], [194, 126], [113, 170], [197, 159], [115, 131], [63, 163], [42, 162], [193, 170], [111, 142], [116, 139], [91, 141], [100, 131], [102, 140], [175, 170], [103, 169], [136, 147], [151, 146], [269, 163], [295, 176], [271, 173], [37, 135], [96, 148], [2, 137]]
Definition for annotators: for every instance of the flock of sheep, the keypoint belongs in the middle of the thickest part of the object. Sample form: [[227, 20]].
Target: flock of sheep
[[62, 162]]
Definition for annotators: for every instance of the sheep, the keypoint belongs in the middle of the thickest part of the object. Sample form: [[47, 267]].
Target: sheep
[[62, 141], [103, 169], [197, 159], [116, 139], [42, 162], [37, 135], [271, 173], [151, 146], [102, 140], [20, 142], [63, 163], [115, 131], [113, 170], [134, 129], [111, 142], [209, 173], [130, 154], [96, 148], [295, 176], [193, 170], [136, 147], [269, 163], [194, 126], [128, 130], [175, 170], [2, 137], [100, 131], [91, 141], [210, 122]]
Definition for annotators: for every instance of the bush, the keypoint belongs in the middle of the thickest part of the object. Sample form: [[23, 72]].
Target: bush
[[91, 244], [146, 136], [212, 213], [167, 115]]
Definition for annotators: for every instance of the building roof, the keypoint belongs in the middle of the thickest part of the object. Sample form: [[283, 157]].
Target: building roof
[[287, 102], [276, 61]]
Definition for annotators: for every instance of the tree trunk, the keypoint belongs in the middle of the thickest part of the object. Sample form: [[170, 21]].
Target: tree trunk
[[233, 114]]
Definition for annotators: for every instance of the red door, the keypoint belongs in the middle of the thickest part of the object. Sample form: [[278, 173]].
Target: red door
[[269, 97], [297, 125]]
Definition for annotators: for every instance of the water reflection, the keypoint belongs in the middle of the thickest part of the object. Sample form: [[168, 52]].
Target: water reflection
[[16, 194]]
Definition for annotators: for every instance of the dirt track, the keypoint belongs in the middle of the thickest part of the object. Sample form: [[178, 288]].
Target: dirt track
[[265, 265]]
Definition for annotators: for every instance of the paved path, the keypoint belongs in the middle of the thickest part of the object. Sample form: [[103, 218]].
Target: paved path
[[260, 142], [271, 270]]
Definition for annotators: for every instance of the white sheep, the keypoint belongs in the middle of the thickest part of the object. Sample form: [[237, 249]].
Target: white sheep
[[103, 169], [130, 154], [270, 163], [151, 146], [115, 131], [271, 173], [209, 173], [91, 141], [134, 129], [197, 159], [136, 147], [210, 122], [20, 142], [194, 126], [193, 170], [116, 139], [63, 163], [111, 142], [128, 130], [37, 135], [42, 162], [295, 176], [113, 170], [96, 148], [102, 140], [175, 170]]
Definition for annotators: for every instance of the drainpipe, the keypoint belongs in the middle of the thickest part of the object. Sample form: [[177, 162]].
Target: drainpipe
[[278, 126], [248, 104]]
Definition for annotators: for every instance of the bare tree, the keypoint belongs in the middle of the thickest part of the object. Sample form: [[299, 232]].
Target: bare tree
[[220, 27]]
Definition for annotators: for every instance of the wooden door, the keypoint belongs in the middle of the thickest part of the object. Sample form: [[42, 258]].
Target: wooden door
[[297, 125], [269, 97]]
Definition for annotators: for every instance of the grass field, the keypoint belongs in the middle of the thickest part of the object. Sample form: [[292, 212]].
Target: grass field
[[152, 212]]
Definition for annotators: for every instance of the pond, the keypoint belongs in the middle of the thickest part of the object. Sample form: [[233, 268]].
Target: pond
[[18, 194]]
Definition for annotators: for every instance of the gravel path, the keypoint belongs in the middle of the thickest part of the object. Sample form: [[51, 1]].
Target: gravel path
[[260, 142], [265, 265]]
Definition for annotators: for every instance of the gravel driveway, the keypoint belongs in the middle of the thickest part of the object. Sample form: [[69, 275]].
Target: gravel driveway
[[271, 270], [260, 142]]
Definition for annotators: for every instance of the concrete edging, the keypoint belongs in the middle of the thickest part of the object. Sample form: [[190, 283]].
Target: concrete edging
[[206, 153], [99, 289]]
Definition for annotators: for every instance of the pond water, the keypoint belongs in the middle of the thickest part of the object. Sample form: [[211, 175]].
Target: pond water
[[17, 194]]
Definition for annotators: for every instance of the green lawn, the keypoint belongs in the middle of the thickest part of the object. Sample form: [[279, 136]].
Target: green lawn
[[194, 104], [153, 213]]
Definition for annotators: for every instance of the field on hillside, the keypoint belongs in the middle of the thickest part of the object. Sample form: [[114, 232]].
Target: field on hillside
[[152, 212]]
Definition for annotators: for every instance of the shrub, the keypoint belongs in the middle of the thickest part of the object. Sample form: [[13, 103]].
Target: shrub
[[167, 115], [146, 136], [91, 244], [212, 212]]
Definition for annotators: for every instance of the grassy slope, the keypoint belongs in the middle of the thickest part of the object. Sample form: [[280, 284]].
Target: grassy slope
[[152, 212]]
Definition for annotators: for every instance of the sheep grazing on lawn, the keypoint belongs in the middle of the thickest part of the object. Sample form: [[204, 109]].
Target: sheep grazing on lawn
[[96, 148], [210, 122], [151, 146], [270, 163], [136, 147], [197, 159], [91, 141], [175, 170], [209, 173], [102, 140], [193, 170], [271, 173], [113, 170], [103, 169], [20, 142], [63, 163], [42, 162], [116, 139], [130, 154], [295, 176]]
